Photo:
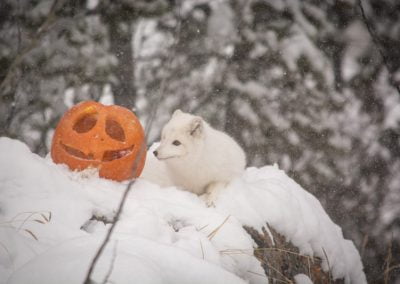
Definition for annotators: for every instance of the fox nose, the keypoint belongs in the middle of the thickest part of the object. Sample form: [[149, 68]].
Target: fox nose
[[155, 153]]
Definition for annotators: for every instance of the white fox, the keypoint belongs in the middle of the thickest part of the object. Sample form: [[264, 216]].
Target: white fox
[[197, 157]]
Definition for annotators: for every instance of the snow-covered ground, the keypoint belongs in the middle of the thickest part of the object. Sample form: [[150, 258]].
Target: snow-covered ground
[[165, 235]]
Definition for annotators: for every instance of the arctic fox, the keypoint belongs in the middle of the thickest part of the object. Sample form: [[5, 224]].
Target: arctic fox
[[197, 157]]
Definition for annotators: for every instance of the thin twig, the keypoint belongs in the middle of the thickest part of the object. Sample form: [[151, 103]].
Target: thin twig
[[202, 250], [111, 268], [364, 244], [9, 255], [13, 219], [201, 228], [256, 273], [277, 271], [397, 266], [215, 231], [27, 219], [329, 266], [21, 220], [376, 41], [388, 260], [287, 280], [272, 278], [31, 233], [238, 251]]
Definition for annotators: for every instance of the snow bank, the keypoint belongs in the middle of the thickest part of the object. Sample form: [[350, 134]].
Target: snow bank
[[164, 235]]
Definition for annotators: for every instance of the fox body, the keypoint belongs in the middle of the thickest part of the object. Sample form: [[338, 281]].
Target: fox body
[[196, 156]]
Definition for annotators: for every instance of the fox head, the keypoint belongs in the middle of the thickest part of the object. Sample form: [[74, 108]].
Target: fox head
[[180, 136]]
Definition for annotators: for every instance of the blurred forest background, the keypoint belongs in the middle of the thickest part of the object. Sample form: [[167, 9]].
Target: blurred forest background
[[298, 83]]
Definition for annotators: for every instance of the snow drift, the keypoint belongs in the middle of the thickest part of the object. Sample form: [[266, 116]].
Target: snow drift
[[52, 221]]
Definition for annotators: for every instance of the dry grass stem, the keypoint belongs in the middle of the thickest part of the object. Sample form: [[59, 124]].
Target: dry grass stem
[[31, 233], [202, 249], [43, 219], [388, 260], [215, 231], [364, 244], [201, 228], [239, 251], [8, 254], [256, 273], [329, 266], [28, 218], [277, 271], [286, 280], [275, 279]]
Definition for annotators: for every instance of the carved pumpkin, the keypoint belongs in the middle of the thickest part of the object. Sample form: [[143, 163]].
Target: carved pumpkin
[[109, 138]]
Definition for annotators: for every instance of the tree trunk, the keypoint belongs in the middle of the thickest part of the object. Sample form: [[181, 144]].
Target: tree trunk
[[121, 46]]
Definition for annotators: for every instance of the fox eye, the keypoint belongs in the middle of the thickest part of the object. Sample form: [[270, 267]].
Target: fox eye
[[176, 143]]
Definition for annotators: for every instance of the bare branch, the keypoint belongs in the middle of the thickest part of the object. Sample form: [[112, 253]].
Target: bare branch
[[111, 268], [41, 31], [376, 41]]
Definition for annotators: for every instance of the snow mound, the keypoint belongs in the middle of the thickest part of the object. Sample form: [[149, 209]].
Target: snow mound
[[165, 235]]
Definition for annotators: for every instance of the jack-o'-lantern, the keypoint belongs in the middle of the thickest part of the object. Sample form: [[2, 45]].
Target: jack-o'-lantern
[[109, 138]]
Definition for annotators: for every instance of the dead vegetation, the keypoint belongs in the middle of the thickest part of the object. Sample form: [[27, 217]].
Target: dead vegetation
[[282, 261]]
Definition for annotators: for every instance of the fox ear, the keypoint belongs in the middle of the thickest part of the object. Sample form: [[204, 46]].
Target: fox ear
[[196, 127], [178, 111]]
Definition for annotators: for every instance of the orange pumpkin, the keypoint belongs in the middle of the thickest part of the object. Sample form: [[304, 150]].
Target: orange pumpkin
[[109, 138]]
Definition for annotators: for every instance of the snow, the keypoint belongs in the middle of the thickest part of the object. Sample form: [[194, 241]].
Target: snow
[[164, 235], [302, 279], [298, 45], [357, 38]]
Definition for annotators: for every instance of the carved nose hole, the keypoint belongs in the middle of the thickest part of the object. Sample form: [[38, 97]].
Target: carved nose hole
[[115, 130], [85, 123]]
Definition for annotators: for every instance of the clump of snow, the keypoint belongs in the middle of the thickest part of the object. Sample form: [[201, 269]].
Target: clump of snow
[[165, 235], [302, 279], [298, 45], [268, 195], [358, 41]]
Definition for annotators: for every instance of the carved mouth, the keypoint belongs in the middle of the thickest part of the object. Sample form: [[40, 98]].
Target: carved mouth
[[77, 153], [108, 156]]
